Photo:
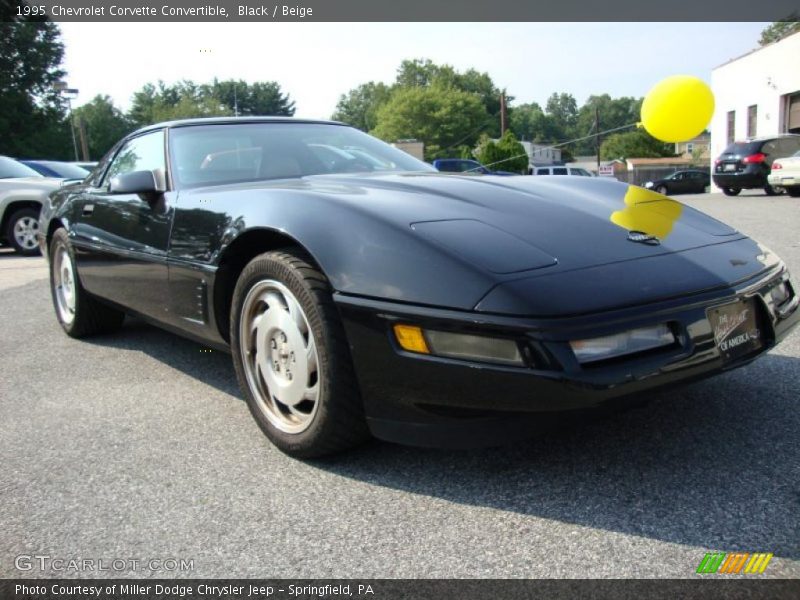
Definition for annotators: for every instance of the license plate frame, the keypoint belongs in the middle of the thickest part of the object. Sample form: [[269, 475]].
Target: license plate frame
[[729, 167], [736, 328]]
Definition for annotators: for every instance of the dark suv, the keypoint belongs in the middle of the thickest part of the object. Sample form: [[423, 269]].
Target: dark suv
[[745, 165]]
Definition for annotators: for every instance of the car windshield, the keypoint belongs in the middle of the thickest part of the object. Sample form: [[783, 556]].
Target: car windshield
[[218, 154], [65, 170], [11, 169]]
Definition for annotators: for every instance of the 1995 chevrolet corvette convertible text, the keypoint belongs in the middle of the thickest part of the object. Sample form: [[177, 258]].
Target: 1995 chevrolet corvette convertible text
[[360, 291]]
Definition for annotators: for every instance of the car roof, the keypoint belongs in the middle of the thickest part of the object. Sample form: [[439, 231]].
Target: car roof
[[766, 138], [232, 121]]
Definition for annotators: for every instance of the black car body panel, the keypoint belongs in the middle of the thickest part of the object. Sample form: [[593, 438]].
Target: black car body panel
[[541, 261]]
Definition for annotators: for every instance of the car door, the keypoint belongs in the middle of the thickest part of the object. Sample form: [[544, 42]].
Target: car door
[[121, 240]]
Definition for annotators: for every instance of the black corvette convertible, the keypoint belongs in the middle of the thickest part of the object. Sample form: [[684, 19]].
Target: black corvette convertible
[[359, 291]]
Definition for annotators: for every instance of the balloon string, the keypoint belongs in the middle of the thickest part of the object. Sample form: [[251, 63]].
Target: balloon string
[[580, 139]]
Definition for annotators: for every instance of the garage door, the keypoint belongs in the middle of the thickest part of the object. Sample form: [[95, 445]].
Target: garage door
[[793, 122]]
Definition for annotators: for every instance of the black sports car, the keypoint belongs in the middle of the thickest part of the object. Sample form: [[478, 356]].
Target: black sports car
[[691, 181], [360, 291]]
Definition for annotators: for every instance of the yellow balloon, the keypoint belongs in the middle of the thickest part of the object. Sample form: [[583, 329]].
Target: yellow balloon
[[648, 212], [677, 108]]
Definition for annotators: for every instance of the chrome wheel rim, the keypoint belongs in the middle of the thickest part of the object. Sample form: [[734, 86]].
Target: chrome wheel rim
[[25, 230], [64, 283], [280, 357]]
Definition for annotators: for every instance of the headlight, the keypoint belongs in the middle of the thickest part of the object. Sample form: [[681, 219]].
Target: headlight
[[622, 344], [458, 345], [780, 293], [649, 184]]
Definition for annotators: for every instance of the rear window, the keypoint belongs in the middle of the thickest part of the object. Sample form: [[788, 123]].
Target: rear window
[[743, 148]]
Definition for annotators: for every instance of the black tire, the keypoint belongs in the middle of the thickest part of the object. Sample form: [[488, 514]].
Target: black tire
[[26, 217], [662, 189], [771, 191], [337, 423], [793, 191], [731, 191], [90, 316]]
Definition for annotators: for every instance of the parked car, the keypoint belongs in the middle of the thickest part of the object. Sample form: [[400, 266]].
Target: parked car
[[22, 192], [409, 304], [785, 173], [746, 165], [464, 165], [559, 170], [691, 181], [89, 165], [54, 168]]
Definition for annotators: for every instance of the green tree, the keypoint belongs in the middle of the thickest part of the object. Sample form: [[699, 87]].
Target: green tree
[[441, 117], [259, 98], [563, 109], [779, 30], [612, 113], [634, 144], [505, 154], [32, 114], [105, 124], [359, 107], [529, 122]]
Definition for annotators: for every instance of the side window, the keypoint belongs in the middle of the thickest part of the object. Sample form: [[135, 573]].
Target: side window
[[143, 153], [560, 171], [466, 165], [543, 171], [771, 149]]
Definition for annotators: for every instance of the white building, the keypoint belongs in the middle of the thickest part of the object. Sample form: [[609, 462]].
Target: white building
[[757, 94], [540, 154]]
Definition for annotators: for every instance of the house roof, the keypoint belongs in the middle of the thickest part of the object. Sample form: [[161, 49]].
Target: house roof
[[668, 160]]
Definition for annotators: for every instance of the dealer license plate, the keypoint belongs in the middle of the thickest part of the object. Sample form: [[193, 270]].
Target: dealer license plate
[[735, 328]]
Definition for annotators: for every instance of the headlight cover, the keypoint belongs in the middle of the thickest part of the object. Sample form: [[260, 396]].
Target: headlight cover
[[622, 344]]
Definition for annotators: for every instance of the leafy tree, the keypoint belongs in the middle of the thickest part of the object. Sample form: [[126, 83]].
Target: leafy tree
[[442, 117], [529, 122], [564, 111], [506, 154], [359, 107], [612, 112], [105, 125], [32, 114], [634, 144], [424, 73], [186, 99], [259, 98], [779, 30]]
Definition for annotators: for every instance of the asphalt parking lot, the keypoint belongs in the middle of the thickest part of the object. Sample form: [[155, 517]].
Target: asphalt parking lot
[[138, 446]]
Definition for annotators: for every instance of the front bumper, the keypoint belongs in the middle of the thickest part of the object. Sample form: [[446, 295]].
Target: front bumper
[[434, 401]]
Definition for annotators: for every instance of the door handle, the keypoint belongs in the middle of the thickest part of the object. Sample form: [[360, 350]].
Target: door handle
[[88, 210]]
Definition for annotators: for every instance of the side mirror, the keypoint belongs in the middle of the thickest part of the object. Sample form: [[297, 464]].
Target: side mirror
[[144, 183]]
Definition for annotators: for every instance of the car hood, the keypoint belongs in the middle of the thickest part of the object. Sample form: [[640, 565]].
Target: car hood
[[558, 223]]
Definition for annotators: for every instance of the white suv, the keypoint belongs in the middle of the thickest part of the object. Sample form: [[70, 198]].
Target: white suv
[[559, 170]]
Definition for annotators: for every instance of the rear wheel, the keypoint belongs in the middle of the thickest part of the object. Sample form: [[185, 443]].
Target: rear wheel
[[728, 191], [662, 189], [77, 312], [23, 226], [793, 191], [771, 191], [291, 357]]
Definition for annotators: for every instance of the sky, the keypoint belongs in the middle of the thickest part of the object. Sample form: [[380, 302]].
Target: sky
[[317, 62]]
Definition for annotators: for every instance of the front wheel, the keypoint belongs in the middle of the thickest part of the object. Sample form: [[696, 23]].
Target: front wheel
[[728, 191], [662, 189], [78, 313], [23, 226], [291, 357]]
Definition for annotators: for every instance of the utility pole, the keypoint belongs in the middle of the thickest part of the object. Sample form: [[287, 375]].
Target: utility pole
[[69, 93], [597, 136], [84, 141], [503, 114]]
